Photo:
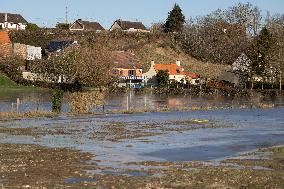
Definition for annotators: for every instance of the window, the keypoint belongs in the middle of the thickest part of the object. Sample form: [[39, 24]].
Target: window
[[131, 73]]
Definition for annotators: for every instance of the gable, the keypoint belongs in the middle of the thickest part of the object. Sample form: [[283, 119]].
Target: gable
[[76, 26], [242, 63]]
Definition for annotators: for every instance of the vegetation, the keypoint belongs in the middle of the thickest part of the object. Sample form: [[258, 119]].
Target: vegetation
[[6, 82], [56, 100], [83, 102], [62, 26], [175, 20], [261, 50], [32, 27], [163, 78], [203, 44]]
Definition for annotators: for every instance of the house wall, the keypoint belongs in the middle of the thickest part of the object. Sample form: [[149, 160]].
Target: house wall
[[33, 53], [136, 30], [20, 50], [115, 26], [150, 76], [76, 26], [121, 72], [6, 50], [177, 78], [13, 26]]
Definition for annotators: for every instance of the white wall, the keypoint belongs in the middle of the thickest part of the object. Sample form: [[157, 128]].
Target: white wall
[[33, 52], [13, 26]]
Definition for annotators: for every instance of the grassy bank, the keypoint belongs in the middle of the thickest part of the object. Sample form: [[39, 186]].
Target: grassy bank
[[6, 85]]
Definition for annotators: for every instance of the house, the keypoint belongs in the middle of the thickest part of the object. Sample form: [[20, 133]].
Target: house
[[12, 21], [27, 52], [239, 72], [55, 47], [242, 64], [80, 25], [6, 48], [176, 73], [192, 78], [127, 69], [128, 26]]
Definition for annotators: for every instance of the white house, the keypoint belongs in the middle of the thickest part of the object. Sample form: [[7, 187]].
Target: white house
[[34, 53], [176, 72], [128, 26], [12, 21]]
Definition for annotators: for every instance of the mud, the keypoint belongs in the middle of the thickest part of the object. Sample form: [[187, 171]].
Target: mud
[[33, 166]]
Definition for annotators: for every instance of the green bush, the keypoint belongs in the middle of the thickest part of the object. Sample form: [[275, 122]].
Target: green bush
[[56, 100]]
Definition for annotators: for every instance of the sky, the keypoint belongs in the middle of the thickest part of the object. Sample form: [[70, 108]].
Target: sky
[[46, 13]]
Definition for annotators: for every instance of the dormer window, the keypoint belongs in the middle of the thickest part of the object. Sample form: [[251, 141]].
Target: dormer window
[[178, 71]]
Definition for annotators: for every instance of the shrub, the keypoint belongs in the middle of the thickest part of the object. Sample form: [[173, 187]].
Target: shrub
[[83, 102], [56, 100]]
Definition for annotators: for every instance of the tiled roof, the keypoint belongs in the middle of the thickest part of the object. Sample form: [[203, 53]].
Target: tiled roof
[[126, 60], [4, 37], [125, 25], [15, 18], [192, 75], [173, 69]]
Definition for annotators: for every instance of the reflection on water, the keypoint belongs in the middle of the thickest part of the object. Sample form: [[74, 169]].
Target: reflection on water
[[31, 101]]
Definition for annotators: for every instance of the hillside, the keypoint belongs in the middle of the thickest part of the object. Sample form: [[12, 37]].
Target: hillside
[[159, 47]]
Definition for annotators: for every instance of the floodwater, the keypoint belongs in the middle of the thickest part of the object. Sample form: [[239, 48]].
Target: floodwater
[[31, 101], [118, 140]]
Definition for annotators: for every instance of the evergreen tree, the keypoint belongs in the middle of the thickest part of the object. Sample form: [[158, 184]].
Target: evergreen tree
[[162, 78], [261, 50], [175, 20]]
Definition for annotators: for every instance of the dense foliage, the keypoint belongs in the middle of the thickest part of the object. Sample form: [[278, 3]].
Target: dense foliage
[[162, 78], [175, 20]]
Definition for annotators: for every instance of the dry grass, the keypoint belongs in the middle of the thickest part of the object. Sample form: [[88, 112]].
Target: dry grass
[[83, 102], [31, 114]]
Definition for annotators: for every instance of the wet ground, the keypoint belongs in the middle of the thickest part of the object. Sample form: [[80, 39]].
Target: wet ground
[[133, 101], [154, 147]]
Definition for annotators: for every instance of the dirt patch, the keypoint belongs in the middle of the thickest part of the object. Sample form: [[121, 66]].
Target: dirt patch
[[32, 166]]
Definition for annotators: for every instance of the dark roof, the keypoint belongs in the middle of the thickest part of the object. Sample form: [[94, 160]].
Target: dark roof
[[125, 25], [15, 18], [126, 60], [90, 25], [54, 46]]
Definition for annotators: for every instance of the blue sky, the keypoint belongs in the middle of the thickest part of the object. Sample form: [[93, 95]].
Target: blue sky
[[49, 12]]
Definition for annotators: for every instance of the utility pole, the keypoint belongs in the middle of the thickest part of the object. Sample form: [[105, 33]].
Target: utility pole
[[66, 14], [280, 81]]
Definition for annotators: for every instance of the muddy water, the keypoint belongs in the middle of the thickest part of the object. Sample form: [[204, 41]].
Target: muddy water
[[119, 139], [31, 101]]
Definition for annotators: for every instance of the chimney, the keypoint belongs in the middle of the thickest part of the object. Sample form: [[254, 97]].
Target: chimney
[[6, 17], [152, 63], [178, 62]]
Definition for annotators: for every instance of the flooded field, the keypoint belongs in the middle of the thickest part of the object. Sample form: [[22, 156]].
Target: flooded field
[[40, 100], [174, 149]]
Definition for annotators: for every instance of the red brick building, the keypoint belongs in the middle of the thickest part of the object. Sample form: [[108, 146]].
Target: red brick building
[[6, 48]]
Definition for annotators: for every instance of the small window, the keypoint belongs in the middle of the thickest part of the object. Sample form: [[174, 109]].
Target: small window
[[131, 72], [178, 71]]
